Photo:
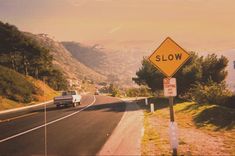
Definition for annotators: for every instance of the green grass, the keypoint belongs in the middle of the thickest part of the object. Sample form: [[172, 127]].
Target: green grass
[[209, 116]]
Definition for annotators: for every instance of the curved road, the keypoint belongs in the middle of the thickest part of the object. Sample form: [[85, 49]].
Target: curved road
[[70, 131]]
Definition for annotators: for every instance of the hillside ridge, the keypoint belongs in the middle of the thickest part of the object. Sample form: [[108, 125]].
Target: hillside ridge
[[72, 68]]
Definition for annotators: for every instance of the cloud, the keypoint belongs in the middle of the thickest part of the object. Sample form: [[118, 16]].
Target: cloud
[[103, 0], [78, 3], [115, 29]]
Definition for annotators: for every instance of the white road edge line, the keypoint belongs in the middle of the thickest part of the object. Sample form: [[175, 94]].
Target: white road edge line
[[49, 123], [25, 107]]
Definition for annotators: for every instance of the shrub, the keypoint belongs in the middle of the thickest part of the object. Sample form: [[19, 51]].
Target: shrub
[[55, 79], [132, 92], [212, 92], [230, 101], [142, 91], [15, 86], [113, 89]]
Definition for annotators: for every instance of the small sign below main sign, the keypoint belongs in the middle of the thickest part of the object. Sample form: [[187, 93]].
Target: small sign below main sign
[[169, 57], [169, 87]]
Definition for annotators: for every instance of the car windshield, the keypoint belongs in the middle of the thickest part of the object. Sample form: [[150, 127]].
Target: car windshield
[[69, 93]]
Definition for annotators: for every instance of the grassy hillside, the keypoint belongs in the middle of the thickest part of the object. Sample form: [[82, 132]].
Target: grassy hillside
[[16, 87], [47, 93], [17, 90], [72, 68]]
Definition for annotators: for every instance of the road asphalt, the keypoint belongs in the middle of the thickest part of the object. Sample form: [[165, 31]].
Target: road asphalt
[[69, 131]]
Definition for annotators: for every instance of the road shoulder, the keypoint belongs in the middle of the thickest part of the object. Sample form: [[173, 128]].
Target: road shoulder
[[126, 138]]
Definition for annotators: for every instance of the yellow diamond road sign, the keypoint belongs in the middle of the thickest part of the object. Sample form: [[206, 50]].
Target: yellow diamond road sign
[[169, 57]]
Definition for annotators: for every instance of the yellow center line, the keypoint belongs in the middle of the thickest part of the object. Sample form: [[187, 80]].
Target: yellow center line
[[18, 117]]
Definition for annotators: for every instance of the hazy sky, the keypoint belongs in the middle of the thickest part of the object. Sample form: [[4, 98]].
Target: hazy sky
[[195, 24]]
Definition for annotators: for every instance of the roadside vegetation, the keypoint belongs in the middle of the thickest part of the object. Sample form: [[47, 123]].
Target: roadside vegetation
[[206, 129], [202, 80], [142, 91], [15, 86], [115, 91], [18, 90], [25, 67]]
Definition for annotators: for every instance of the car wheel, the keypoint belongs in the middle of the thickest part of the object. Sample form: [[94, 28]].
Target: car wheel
[[74, 104]]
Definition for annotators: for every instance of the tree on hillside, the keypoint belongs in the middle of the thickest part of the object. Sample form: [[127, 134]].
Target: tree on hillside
[[21, 53], [214, 68], [54, 78], [197, 69], [39, 57], [10, 38]]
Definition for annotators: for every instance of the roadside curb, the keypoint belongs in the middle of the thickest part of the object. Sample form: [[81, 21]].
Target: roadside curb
[[25, 107], [126, 137]]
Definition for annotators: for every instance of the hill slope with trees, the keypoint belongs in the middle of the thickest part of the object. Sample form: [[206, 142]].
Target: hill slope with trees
[[63, 60], [26, 56], [41, 57], [17, 90]]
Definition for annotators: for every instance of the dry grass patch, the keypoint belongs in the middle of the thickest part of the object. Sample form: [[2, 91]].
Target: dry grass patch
[[47, 94], [152, 142]]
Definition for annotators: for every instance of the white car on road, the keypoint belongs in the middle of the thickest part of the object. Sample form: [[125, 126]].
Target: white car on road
[[68, 98]]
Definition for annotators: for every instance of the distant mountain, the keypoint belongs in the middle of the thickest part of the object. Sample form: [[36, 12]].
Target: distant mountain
[[72, 68], [90, 56], [119, 66]]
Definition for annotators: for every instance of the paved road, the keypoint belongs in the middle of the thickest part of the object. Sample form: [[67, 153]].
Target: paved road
[[70, 131]]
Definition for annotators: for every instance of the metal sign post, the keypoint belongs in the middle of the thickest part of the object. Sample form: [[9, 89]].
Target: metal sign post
[[170, 91], [172, 131], [171, 103]]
